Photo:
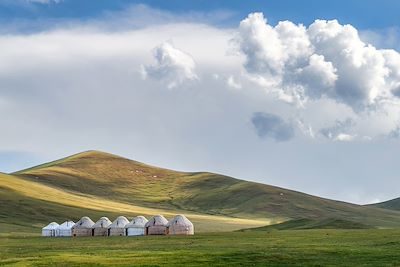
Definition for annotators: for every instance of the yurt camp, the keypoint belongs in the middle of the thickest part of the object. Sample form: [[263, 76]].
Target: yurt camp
[[65, 229], [157, 225], [50, 229], [83, 227], [180, 225], [100, 228], [117, 228], [136, 227]]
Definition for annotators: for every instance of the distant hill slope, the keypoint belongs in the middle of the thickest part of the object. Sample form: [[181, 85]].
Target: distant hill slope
[[122, 180], [393, 204], [305, 223], [25, 205]]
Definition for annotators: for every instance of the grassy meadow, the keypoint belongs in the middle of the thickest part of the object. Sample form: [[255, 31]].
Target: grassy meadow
[[236, 222], [257, 248]]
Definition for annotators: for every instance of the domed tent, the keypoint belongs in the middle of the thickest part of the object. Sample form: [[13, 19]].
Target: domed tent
[[180, 225], [118, 226], [156, 226], [65, 229], [83, 227], [100, 228], [50, 229], [136, 226]]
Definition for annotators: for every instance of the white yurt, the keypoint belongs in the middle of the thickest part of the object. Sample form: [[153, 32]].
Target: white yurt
[[117, 228], [50, 229], [83, 227], [180, 225], [65, 229], [136, 227], [100, 228], [157, 226]]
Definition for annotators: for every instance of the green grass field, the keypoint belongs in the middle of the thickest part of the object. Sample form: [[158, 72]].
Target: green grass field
[[237, 223], [264, 248]]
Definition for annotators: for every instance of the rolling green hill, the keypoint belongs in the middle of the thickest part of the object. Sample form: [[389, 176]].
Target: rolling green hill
[[119, 184], [393, 204], [26, 205], [306, 223]]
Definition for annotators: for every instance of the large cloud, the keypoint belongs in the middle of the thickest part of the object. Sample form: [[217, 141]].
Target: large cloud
[[326, 59], [173, 66]]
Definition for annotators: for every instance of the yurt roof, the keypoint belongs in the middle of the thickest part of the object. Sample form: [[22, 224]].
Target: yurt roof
[[51, 226], [66, 225], [120, 222], [103, 222], [180, 220], [138, 221], [157, 220], [85, 222]]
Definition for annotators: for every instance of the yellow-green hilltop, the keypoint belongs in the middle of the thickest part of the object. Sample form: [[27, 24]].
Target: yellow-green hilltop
[[98, 184]]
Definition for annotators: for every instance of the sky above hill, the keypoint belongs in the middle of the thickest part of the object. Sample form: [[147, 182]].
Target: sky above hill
[[303, 95]]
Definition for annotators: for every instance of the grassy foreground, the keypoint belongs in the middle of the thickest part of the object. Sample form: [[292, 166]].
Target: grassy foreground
[[275, 248]]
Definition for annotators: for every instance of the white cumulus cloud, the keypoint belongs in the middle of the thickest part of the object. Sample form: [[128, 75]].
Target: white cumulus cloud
[[172, 66], [326, 59]]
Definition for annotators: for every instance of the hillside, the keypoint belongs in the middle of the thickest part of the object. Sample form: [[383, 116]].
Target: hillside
[[393, 204], [112, 178], [305, 223], [25, 205]]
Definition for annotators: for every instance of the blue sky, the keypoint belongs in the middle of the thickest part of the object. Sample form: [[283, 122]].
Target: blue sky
[[218, 86], [368, 14]]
